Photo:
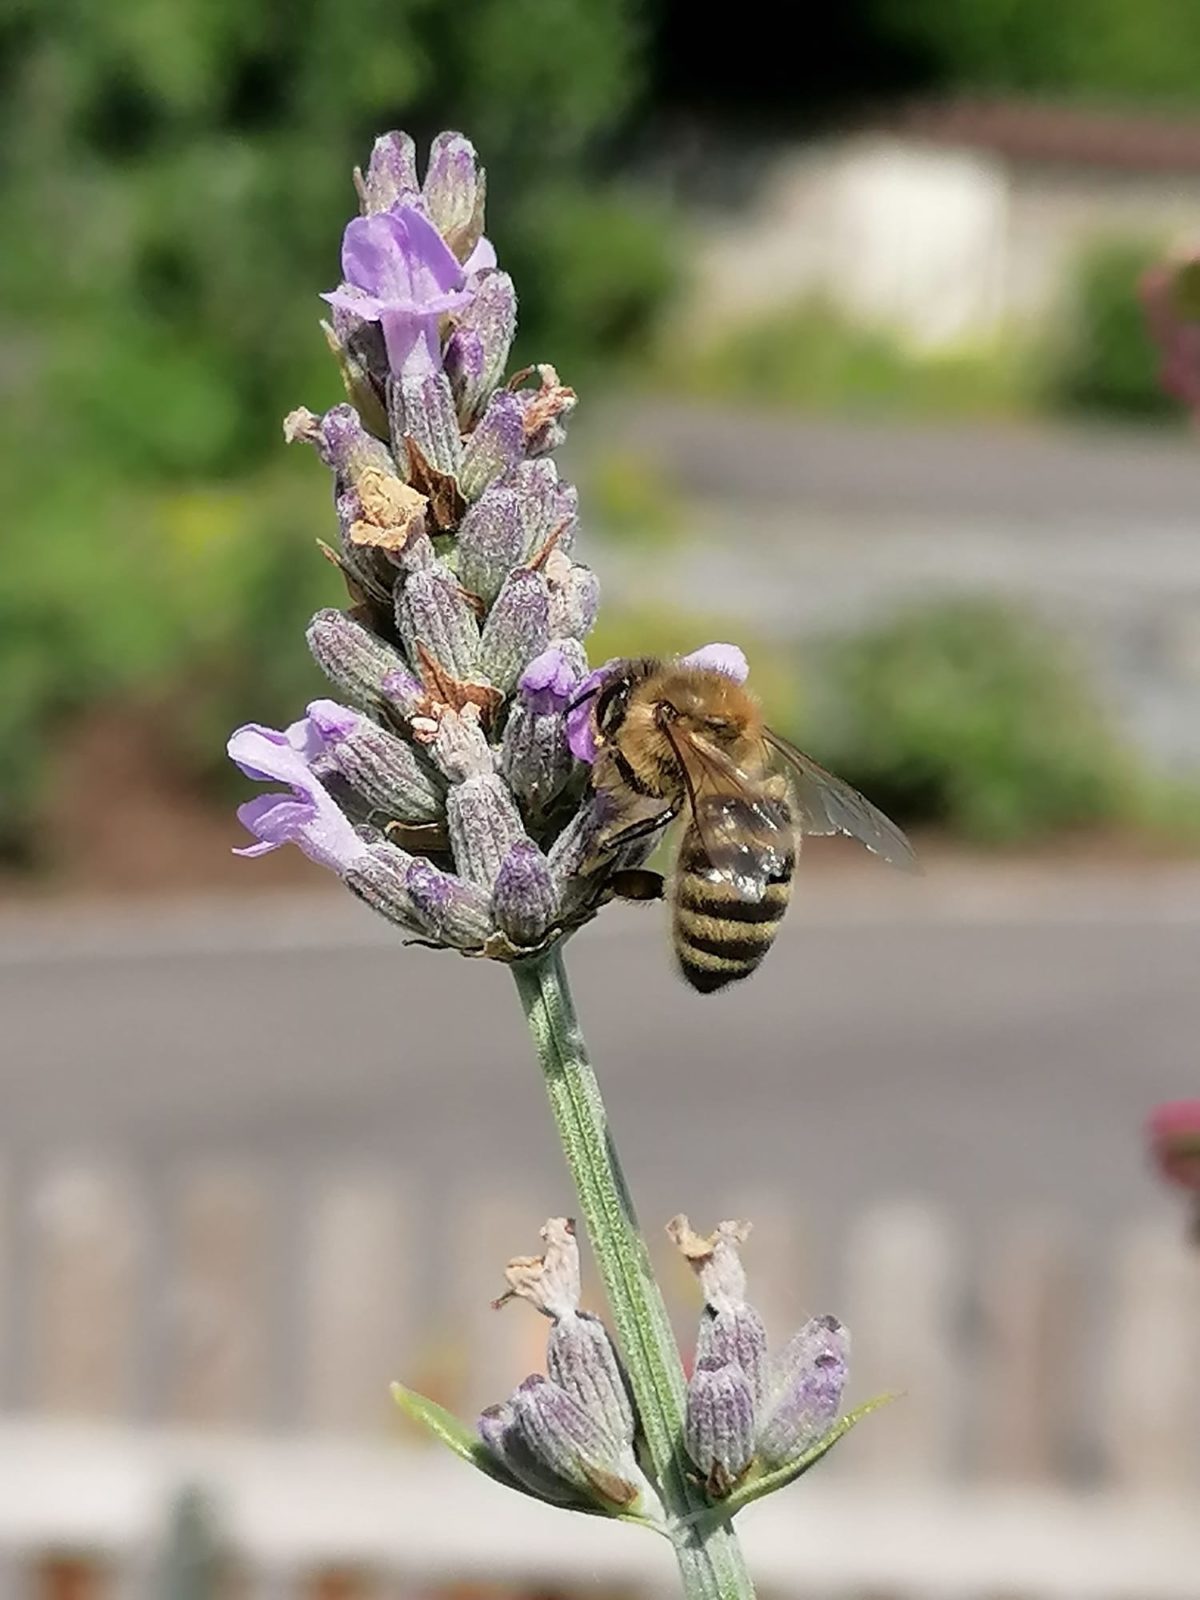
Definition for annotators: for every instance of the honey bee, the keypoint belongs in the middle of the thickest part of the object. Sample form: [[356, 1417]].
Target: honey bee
[[673, 737]]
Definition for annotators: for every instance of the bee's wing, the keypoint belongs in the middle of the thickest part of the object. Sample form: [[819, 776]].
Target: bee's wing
[[826, 804], [746, 837]]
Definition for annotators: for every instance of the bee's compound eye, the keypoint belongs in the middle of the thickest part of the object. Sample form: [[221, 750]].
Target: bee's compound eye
[[611, 705]]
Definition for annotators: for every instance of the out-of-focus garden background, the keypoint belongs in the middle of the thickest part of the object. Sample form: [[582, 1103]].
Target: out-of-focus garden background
[[936, 221], [865, 384]]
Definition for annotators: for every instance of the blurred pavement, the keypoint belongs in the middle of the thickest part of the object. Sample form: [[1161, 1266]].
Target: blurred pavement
[[802, 526], [990, 1038]]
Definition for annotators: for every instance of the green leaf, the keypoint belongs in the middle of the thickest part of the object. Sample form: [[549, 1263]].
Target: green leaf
[[455, 1435], [759, 1481], [466, 1444]]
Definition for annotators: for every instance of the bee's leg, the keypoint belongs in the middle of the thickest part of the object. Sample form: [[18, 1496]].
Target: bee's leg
[[637, 883], [418, 836], [635, 831]]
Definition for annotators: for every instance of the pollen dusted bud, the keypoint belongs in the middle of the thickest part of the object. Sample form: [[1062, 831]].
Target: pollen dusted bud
[[534, 755], [391, 174], [455, 189], [524, 899], [497, 444], [581, 1360], [340, 440], [448, 910], [491, 541], [807, 1381], [517, 628], [719, 1426], [499, 1431], [574, 597], [385, 772], [571, 1443], [355, 660], [434, 615], [549, 507], [477, 352], [421, 408], [484, 825]]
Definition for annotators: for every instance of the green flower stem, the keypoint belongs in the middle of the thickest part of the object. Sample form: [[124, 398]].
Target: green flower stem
[[710, 1559]]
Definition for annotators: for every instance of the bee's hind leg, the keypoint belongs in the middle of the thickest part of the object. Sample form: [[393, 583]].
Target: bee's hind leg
[[637, 883]]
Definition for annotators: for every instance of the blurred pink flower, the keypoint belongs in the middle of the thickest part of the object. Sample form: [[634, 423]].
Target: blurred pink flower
[[1171, 297], [1174, 1134]]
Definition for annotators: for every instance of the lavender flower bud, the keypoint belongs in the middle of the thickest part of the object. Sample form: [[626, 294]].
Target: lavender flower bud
[[580, 1358], [421, 408], [524, 898], [484, 824], [379, 879], [433, 613], [362, 359], [498, 1430], [356, 662], [573, 848], [534, 756], [459, 747], [391, 174], [736, 1337], [341, 441], [447, 909], [406, 693], [571, 1443], [517, 628], [548, 506], [491, 540], [807, 1377], [719, 1426], [477, 352], [497, 443], [383, 770], [574, 597], [455, 188]]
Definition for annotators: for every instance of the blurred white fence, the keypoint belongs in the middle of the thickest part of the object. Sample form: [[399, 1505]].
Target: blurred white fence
[[217, 1330]]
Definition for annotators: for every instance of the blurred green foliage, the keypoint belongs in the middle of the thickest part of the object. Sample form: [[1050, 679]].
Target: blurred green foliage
[[175, 180], [816, 357], [1099, 49], [1104, 360], [965, 716]]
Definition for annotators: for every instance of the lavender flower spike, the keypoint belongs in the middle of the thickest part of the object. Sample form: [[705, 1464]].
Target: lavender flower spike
[[308, 817], [400, 272]]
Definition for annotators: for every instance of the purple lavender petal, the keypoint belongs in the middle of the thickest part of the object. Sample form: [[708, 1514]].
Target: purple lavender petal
[[273, 819], [400, 272], [309, 817], [332, 721], [481, 259], [726, 658], [581, 727], [549, 681], [268, 755]]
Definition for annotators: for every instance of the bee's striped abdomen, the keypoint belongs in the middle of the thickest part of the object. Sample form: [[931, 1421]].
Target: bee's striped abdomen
[[720, 936]]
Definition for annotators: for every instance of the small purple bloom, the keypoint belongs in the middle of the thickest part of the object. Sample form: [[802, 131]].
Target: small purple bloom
[[726, 658], [308, 817], [548, 682], [400, 272]]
